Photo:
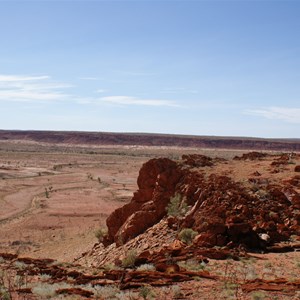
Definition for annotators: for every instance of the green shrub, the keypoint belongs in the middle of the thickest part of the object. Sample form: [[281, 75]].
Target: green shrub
[[4, 294], [146, 292], [192, 265], [177, 207], [106, 292], [129, 260], [44, 290], [101, 233], [177, 293], [187, 235], [258, 295]]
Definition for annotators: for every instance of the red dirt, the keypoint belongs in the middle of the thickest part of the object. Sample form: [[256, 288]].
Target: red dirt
[[52, 202]]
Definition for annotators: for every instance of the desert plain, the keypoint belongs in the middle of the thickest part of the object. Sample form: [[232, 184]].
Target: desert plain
[[54, 198]]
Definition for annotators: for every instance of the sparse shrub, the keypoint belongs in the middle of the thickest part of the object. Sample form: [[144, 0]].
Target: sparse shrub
[[44, 290], [177, 293], [46, 193], [45, 277], [187, 235], [129, 260], [258, 295], [247, 270], [106, 292], [231, 289], [197, 278], [146, 267], [192, 265], [254, 187], [57, 167], [4, 294], [19, 281], [20, 265], [5, 285], [177, 207], [146, 292], [231, 281], [110, 266], [268, 264], [101, 233]]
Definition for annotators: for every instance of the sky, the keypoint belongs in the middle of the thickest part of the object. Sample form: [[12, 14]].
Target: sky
[[222, 68]]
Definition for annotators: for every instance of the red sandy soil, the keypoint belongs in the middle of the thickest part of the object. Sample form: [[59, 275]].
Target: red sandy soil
[[78, 202], [85, 184]]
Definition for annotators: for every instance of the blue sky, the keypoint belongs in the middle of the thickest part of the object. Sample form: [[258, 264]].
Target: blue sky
[[229, 68]]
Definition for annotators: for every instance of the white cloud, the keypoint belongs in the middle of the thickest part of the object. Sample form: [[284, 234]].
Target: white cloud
[[30, 89], [42, 89], [14, 78], [126, 100], [291, 115]]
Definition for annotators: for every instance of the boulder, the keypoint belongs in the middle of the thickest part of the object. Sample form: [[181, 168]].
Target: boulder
[[156, 182]]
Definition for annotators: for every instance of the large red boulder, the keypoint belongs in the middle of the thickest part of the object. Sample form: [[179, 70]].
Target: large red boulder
[[156, 182]]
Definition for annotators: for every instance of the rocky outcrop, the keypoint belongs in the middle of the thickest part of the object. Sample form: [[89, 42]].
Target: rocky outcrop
[[157, 183], [196, 160], [251, 156], [222, 212], [280, 284]]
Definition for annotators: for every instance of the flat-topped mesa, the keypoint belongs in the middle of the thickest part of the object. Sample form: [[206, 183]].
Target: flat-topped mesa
[[221, 211]]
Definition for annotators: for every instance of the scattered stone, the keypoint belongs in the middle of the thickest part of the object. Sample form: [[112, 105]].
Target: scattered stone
[[251, 156]]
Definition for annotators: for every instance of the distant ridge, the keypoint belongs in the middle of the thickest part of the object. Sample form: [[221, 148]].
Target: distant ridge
[[149, 139]]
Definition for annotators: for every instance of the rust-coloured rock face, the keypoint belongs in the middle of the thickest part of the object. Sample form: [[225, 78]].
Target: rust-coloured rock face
[[157, 183], [222, 211]]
